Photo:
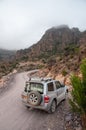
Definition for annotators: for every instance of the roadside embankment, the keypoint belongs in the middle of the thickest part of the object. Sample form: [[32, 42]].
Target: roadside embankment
[[6, 80]]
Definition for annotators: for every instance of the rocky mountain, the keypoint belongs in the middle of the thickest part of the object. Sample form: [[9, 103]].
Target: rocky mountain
[[61, 49], [53, 42]]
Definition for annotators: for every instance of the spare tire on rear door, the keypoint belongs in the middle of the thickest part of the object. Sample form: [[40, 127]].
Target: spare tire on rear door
[[34, 98]]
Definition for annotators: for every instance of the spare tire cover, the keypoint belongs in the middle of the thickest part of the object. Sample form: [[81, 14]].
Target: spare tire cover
[[34, 98]]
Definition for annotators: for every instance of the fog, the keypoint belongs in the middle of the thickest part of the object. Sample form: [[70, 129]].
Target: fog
[[23, 22]]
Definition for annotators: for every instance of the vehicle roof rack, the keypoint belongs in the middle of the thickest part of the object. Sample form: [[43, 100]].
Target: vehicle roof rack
[[40, 79], [46, 79]]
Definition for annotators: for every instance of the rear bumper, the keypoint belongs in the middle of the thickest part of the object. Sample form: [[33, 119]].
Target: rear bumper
[[45, 106]]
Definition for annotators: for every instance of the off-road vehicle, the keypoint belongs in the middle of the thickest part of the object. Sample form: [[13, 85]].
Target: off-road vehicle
[[43, 93]]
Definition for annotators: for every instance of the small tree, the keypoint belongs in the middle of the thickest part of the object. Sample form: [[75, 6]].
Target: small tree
[[78, 101]]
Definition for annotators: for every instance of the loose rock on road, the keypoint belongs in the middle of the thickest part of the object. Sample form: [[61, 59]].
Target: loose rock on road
[[15, 116]]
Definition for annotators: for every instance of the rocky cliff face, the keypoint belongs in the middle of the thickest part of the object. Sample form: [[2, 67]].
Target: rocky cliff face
[[53, 42]]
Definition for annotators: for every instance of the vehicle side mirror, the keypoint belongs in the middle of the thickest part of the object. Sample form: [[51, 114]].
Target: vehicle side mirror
[[62, 84]]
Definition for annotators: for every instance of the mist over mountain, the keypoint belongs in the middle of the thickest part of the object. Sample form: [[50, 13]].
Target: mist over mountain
[[6, 54]]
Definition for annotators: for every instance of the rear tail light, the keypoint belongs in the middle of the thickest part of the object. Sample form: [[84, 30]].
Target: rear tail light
[[46, 99]]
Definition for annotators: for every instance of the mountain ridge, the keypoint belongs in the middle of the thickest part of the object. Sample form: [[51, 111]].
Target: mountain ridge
[[61, 36], [61, 50]]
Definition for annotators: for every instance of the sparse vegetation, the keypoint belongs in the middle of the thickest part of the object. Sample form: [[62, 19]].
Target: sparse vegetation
[[64, 72], [24, 58], [7, 67]]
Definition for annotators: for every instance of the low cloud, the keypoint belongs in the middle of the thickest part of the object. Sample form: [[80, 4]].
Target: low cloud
[[22, 23]]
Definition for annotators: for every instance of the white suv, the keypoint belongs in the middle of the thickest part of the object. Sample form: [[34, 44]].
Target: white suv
[[43, 94]]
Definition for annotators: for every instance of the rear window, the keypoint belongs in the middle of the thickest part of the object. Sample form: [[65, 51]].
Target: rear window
[[35, 87]]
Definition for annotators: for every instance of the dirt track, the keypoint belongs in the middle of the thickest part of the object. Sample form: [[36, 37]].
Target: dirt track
[[15, 116]]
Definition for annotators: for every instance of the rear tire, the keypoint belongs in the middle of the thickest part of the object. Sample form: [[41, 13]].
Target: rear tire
[[52, 107]]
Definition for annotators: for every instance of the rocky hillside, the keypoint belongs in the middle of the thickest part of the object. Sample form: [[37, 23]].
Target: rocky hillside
[[6, 54], [7, 62], [54, 41], [61, 49]]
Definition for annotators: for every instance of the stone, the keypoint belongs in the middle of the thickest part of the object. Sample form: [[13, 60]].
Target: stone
[[68, 118]]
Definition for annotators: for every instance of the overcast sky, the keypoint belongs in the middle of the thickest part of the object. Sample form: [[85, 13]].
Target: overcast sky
[[23, 22]]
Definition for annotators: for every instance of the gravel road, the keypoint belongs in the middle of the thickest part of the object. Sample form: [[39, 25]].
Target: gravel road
[[15, 116]]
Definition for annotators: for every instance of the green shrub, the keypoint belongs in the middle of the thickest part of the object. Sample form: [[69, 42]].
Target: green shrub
[[78, 101], [64, 73]]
